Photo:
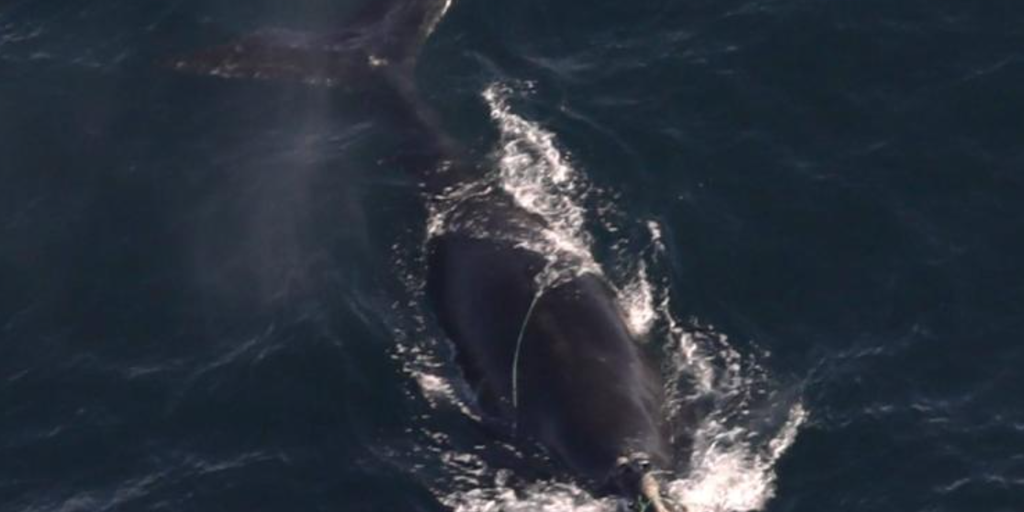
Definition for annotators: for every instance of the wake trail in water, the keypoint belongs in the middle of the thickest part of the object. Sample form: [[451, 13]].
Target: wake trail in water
[[730, 464]]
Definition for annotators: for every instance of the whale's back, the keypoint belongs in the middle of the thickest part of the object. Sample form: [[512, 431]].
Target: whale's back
[[580, 385]]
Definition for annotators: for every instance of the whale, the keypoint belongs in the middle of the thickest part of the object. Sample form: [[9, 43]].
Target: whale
[[550, 360], [555, 362]]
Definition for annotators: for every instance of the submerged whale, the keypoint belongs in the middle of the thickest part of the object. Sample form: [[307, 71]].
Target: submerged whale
[[551, 358]]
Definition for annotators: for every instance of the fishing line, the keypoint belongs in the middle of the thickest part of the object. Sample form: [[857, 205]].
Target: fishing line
[[519, 347], [643, 503]]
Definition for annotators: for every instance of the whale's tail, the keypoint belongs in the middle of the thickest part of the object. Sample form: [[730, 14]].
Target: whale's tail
[[383, 39], [375, 53]]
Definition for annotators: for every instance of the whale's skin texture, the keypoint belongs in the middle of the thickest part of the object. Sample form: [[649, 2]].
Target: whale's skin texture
[[582, 387]]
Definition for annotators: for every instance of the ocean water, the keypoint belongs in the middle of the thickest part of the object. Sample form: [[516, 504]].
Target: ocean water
[[211, 291]]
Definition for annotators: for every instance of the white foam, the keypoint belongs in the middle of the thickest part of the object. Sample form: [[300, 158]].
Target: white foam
[[541, 180], [637, 302], [535, 497], [728, 472]]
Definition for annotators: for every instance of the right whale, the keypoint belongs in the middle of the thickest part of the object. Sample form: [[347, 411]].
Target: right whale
[[556, 361], [553, 358]]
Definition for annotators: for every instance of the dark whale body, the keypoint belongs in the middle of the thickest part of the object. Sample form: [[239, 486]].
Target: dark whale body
[[557, 363], [584, 390]]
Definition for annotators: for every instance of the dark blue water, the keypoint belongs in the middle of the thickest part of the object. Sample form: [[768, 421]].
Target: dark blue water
[[210, 290]]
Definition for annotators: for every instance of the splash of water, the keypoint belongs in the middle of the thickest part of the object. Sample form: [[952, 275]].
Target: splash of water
[[535, 497], [730, 468], [730, 474], [637, 301], [541, 180]]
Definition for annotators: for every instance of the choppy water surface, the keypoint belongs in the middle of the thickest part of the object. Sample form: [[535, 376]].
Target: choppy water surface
[[211, 291]]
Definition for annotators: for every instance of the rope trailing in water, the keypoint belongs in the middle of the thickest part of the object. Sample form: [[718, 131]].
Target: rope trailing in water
[[519, 348]]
